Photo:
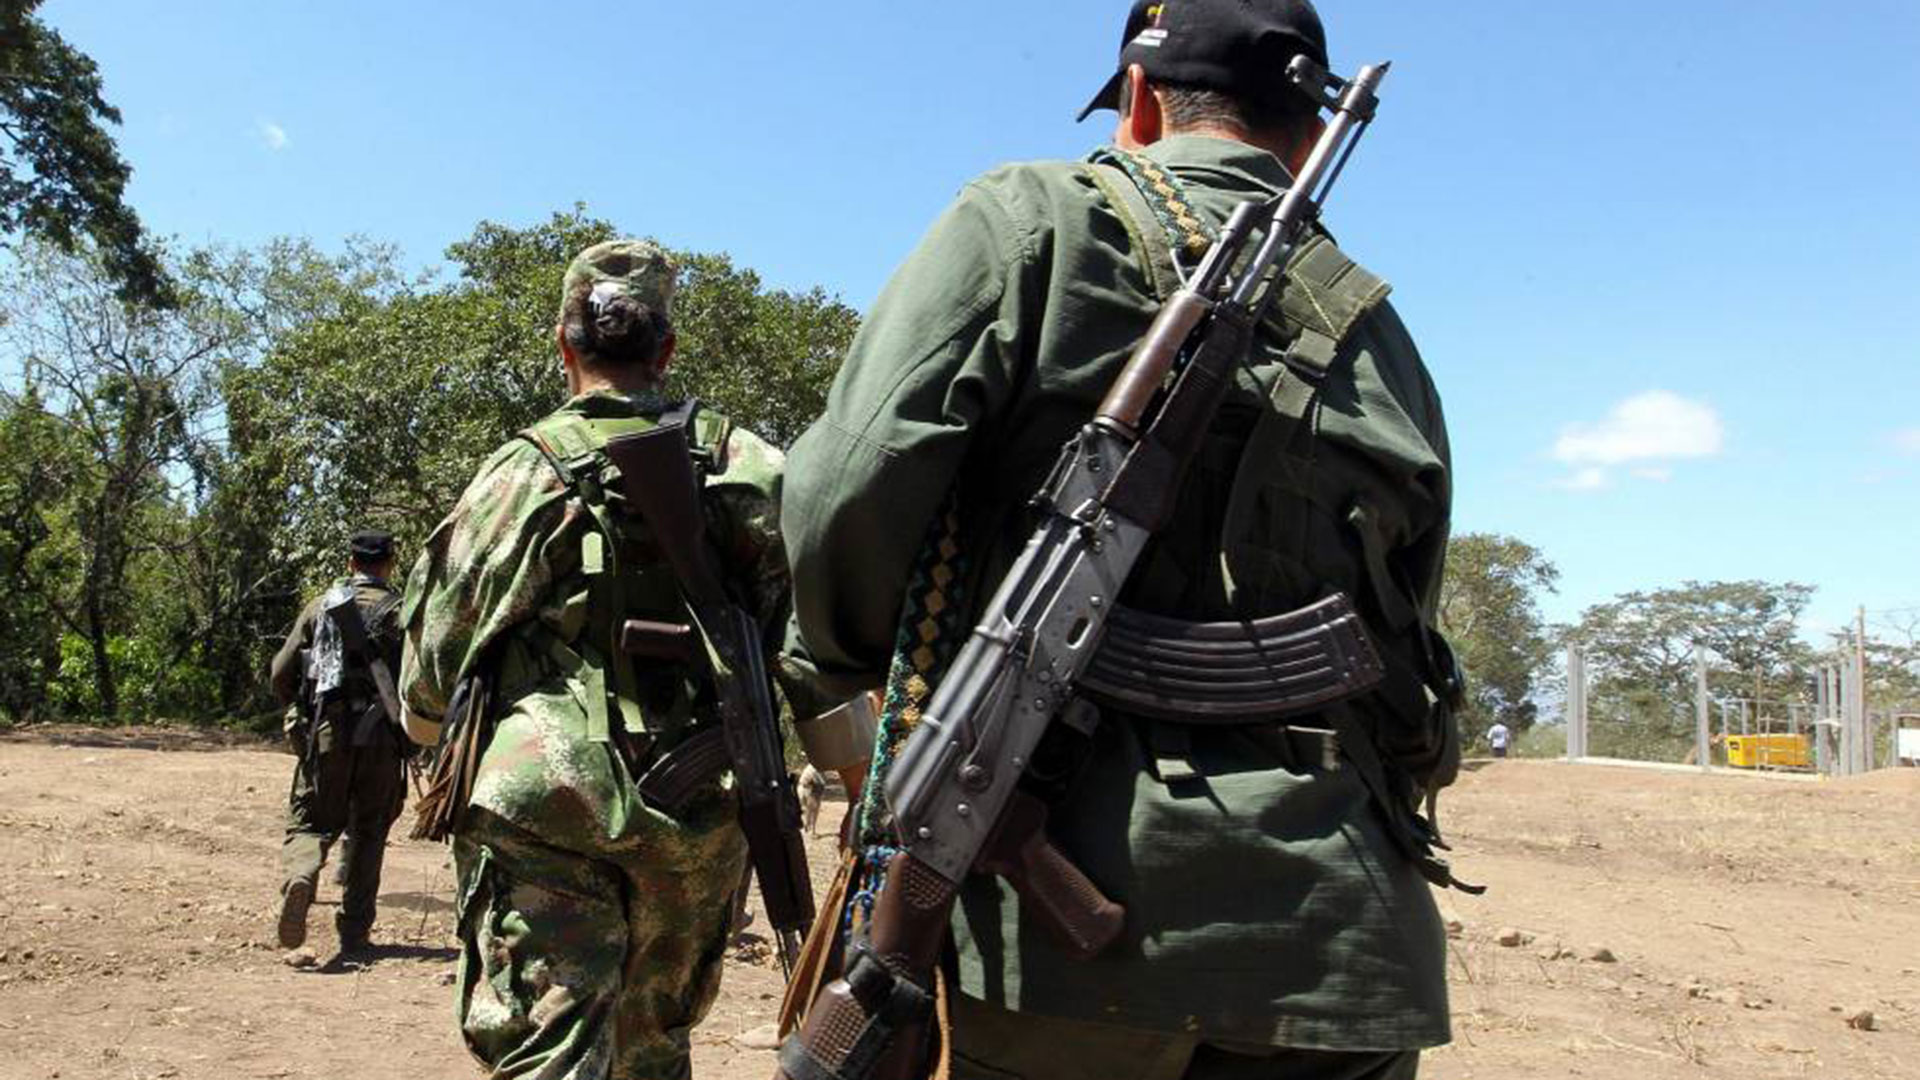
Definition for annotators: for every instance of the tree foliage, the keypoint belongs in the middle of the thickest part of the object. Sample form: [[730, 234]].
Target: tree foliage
[[378, 413], [117, 397], [1490, 612], [1893, 660], [1640, 648], [174, 481], [38, 458], [62, 179], [1750, 628]]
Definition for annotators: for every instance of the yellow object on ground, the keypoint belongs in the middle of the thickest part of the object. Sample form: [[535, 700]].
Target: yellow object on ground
[[1769, 751]]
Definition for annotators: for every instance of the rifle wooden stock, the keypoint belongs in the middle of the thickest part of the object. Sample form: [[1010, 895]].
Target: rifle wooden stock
[[1146, 371], [908, 931]]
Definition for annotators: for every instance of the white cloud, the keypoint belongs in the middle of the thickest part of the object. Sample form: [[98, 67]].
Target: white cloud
[[1588, 479], [272, 135], [1646, 430], [1654, 426], [1907, 441]]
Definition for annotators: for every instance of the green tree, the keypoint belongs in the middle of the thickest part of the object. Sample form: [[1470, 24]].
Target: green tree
[[130, 391], [1892, 656], [1490, 612], [379, 412], [1893, 664], [1640, 647], [61, 177], [38, 460]]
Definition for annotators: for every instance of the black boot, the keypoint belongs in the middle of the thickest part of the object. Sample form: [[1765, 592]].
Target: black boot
[[356, 942]]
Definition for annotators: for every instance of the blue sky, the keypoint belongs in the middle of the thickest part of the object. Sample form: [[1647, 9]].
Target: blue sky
[[1663, 258]]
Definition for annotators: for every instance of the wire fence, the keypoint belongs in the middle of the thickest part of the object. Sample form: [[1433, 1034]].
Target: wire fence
[[1837, 732]]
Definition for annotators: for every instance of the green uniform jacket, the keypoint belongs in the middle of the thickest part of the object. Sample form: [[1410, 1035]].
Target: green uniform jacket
[[1271, 908]]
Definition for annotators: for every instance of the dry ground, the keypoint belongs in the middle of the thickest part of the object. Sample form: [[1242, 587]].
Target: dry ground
[[1748, 918]]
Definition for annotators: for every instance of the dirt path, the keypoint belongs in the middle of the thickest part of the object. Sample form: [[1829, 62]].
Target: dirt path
[[137, 890]]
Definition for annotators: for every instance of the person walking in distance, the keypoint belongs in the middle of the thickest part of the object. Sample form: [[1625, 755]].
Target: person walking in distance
[[350, 781]]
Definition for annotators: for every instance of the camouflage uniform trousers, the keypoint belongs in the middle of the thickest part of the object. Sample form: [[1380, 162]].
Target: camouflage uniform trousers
[[343, 790], [592, 927]]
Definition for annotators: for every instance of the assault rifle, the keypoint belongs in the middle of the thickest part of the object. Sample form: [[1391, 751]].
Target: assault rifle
[[658, 481], [955, 789]]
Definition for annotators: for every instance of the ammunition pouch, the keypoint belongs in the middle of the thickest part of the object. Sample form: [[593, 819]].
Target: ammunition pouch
[[1233, 672]]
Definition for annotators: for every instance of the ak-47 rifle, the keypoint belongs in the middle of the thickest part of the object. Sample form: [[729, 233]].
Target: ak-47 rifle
[[954, 790], [659, 484]]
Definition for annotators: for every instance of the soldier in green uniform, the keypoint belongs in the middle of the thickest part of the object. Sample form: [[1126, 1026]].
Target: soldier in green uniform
[[350, 781], [593, 922], [1280, 920]]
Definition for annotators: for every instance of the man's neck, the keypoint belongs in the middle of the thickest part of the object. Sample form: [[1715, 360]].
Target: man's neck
[[1232, 134]]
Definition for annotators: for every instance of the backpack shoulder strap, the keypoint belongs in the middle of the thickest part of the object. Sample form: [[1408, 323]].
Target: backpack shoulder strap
[[1326, 296], [383, 609]]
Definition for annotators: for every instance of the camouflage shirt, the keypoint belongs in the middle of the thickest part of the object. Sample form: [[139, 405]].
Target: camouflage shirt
[[513, 542]]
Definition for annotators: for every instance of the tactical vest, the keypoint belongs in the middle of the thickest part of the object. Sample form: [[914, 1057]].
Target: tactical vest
[[1303, 515], [645, 706]]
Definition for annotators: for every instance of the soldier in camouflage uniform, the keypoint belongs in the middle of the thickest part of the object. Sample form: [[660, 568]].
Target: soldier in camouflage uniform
[[593, 924], [1279, 917], [350, 781]]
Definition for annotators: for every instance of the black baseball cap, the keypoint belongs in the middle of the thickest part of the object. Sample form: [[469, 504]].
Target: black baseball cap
[[1239, 47], [371, 545]]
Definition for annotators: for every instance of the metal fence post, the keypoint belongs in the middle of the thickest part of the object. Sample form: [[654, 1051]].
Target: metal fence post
[[1702, 736], [1576, 704]]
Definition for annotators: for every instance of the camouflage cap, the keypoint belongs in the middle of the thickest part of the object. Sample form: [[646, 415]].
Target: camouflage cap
[[635, 267]]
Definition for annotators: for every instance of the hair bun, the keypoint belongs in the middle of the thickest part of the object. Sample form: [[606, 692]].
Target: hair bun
[[613, 325]]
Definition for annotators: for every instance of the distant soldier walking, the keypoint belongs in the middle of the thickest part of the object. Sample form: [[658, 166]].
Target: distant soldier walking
[[337, 668]]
